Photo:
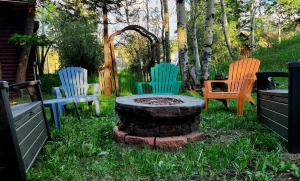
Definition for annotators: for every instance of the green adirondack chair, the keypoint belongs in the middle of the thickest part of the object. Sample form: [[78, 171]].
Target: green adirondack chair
[[163, 80]]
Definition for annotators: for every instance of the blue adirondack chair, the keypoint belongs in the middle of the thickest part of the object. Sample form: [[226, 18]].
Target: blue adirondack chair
[[163, 80], [75, 85]]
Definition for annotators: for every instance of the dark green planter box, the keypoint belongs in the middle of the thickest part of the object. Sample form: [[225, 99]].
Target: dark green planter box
[[273, 111], [23, 131]]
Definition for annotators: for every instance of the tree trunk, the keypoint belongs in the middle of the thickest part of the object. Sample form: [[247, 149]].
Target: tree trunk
[[208, 41], [252, 19], [182, 43], [194, 35], [107, 62], [167, 29], [163, 40], [25, 51], [225, 29], [148, 44], [279, 31]]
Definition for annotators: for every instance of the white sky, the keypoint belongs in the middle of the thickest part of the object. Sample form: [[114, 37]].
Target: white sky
[[152, 5]]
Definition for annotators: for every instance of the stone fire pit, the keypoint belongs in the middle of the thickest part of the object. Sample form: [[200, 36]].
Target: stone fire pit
[[158, 121]]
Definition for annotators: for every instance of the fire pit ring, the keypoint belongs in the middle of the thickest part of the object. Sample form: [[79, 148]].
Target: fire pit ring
[[177, 117]]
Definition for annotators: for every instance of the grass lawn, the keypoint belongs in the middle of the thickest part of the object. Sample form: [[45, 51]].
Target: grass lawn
[[235, 148]]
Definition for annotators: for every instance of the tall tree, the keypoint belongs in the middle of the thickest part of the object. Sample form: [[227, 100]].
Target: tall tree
[[194, 34], [167, 29], [252, 24], [225, 29], [107, 60], [163, 30], [207, 41], [182, 43], [24, 55]]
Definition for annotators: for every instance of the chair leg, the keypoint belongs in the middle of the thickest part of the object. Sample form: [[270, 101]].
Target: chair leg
[[76, 109], [240, 108], [206, 104], [97, 106], [56, 116]]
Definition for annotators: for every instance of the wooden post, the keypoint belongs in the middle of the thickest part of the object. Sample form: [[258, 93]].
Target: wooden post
[[114, 67]]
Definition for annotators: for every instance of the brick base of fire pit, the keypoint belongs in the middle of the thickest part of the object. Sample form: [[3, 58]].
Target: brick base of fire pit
[[168, 143], [158, 121]]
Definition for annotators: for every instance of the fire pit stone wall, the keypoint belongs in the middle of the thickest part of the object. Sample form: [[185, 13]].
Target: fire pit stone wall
[[158, 116]]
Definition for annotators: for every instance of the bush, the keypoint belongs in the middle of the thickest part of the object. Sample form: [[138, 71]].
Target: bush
[[48, 81], [77, 43]]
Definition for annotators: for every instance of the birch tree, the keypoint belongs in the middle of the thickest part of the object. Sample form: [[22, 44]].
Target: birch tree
[[225, 29], [167, 29], [252, 18], [163, 30], [194, 34], [182, 43], [208, 41]]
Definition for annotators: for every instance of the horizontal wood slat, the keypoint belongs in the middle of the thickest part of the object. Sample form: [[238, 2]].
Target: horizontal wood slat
[[275, 116], [275, 106], [280, 130]]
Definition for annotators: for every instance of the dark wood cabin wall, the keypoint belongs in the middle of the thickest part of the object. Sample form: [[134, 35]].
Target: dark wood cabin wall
[[12, 20]]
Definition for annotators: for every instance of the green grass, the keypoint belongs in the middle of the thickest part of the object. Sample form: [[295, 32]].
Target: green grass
[[272, 58], [235, 148]]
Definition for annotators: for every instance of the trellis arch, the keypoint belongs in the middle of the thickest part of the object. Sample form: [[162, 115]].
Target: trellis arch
[[155, 49]]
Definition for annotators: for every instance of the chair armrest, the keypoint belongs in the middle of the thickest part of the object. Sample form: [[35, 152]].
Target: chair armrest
[[140, 87], [96, 88], [24, 85], [56, 92], [207, 84], [272, 74], [262, 78], [217, 81], [33, 88]]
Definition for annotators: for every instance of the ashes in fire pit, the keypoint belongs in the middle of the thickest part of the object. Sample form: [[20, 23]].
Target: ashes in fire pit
[[159, 121], [158, 101]]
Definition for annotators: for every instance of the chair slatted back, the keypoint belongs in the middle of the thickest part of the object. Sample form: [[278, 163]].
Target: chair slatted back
[[163, 77], [74, 81], [239, 71]]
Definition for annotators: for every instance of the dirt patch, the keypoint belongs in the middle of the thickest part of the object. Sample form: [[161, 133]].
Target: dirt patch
[[289, 157], [223, 136]]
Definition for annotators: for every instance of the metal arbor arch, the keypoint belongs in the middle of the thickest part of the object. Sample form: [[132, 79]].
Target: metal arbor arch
[[155, 49]]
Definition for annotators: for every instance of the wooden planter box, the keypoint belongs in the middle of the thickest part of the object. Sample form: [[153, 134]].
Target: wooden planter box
[[23, 132], [273, 110], [279, 110]]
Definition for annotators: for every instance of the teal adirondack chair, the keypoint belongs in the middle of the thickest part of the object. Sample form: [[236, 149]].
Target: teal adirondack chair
[[74, 84], [163, 80]]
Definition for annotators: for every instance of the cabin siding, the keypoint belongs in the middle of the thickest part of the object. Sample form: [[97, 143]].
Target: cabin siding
[[12, 20]]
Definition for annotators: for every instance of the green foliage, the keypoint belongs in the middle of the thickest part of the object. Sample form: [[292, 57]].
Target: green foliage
[[48, 81], [77, 43], [33, 40], [127, 82]]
